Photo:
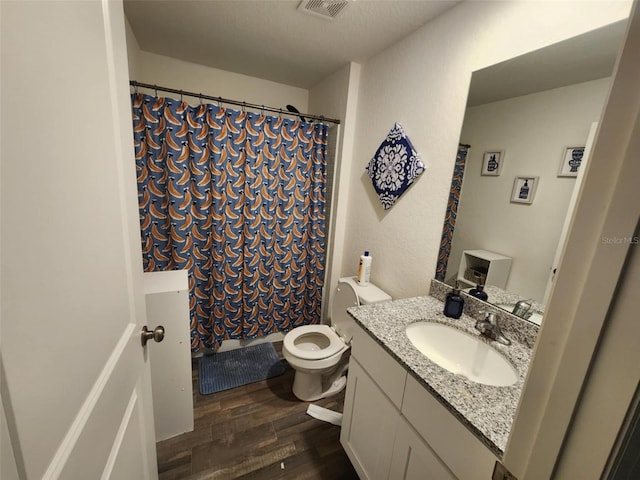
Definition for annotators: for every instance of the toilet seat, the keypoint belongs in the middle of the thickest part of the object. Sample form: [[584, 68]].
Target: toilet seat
[[319, 354], [324, 341], [344, 296], [322, 335]]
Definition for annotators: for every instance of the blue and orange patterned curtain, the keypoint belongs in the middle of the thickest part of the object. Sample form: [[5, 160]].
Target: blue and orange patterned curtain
[[237, 199], [451, 213]]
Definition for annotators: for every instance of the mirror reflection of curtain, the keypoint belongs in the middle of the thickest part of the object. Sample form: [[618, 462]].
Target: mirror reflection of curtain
[[238, 199], [451, 213]]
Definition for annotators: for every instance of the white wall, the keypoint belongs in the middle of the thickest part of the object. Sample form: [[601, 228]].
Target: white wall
[[337, 97], [533, 130], [169, 72], [422, 83], [133, 50]]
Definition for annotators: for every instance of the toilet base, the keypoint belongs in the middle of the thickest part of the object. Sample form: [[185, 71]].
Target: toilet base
[[309, 386]]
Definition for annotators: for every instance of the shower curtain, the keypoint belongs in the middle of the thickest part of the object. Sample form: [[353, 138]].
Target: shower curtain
[[238, 199], [451, 212]]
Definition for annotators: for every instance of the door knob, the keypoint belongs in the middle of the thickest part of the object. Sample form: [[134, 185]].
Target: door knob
[[157, 334]]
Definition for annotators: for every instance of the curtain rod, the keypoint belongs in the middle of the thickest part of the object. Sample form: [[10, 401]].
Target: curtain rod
[[136, 84]]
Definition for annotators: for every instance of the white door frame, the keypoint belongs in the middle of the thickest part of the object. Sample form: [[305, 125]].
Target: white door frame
[[591, 265]]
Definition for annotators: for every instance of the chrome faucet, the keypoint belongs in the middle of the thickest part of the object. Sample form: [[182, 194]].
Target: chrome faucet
[[490, 328], [523, 309]]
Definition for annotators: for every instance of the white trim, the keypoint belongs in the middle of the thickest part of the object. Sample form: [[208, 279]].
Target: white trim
[[122, 430], [586, 282], [68, 443], [114, 90], [600, 414], [570, 211]]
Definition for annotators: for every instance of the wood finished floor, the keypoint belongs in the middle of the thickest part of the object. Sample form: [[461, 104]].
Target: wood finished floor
[[247, 432]]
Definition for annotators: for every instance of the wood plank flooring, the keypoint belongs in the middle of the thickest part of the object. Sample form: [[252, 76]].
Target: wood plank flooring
[[251, 432]]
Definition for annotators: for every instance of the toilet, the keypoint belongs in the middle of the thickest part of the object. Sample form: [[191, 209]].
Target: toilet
[[319, 353]]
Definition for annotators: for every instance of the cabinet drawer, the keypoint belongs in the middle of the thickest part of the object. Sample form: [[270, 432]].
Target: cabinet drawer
[[388, 374], [464, 454]]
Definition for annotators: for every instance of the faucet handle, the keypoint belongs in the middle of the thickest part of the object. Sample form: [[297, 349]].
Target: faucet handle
[[489, 314], [522, 308], [491, 318]]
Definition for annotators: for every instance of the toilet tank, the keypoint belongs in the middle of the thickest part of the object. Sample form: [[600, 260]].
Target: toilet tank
[[341, 321], [368, 294]]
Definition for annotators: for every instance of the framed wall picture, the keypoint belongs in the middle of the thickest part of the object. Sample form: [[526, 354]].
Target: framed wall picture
[[571, 161], [492, 163], [524, 189]]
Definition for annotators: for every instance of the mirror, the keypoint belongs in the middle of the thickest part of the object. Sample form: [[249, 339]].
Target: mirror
[[527, 123]]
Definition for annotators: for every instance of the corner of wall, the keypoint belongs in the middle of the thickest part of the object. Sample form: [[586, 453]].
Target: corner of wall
[[337, 97], [133, 50]]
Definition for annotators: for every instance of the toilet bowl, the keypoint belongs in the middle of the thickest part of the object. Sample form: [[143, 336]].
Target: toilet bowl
[[319, 354]]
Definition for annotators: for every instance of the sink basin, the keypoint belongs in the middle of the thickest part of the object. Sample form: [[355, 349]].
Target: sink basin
[[462, 354]]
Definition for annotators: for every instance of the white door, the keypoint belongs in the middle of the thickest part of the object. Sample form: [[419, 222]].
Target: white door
[[570, 208], [75, 380]]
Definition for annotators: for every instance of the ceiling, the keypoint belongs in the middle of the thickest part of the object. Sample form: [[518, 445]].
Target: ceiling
[[272, 39], [579, 59]]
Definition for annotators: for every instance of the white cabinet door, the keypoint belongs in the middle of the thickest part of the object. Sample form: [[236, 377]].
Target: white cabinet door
[[167, 302], [464, 454], [413, 459], [368, 426], [73, 374]]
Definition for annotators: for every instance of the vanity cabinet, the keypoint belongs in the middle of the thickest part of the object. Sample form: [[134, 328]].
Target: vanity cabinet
[[369, 430], [393, 428], [413, 458], [371, 407]]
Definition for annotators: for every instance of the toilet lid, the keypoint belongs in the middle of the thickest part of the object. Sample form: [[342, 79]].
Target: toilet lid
[[344, 296], [321, 338]]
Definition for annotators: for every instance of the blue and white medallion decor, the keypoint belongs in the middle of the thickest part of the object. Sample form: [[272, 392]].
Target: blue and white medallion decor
[[394, 167]]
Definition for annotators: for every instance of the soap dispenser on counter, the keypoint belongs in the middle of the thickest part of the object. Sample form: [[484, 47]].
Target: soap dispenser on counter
[[454, 303]]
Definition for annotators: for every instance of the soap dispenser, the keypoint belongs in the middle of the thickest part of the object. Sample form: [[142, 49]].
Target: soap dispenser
[[479, 292], [454, 303]]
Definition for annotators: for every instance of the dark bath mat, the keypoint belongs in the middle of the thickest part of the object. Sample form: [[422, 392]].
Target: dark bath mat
[[222, 371]]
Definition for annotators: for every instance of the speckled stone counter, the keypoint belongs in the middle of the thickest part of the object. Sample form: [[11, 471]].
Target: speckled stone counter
[[486, 410], [498, 296]]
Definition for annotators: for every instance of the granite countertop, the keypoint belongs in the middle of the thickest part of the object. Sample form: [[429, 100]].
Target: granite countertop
[[499, 296], [486, 410]]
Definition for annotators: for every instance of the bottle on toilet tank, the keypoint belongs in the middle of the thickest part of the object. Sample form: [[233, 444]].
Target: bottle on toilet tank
[[364, 269]]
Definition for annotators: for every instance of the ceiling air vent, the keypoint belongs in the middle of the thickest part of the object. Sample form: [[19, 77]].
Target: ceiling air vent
[[328, 9]]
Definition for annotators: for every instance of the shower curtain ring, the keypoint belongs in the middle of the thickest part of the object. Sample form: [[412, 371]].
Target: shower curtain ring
[[200, 99], [181, 95], [219, 102], [261, 109], [244, 105], [155, 90]]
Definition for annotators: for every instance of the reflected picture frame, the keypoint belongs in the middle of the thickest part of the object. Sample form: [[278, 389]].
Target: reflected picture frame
[[492, 161], [524, 189], [571, 161]]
